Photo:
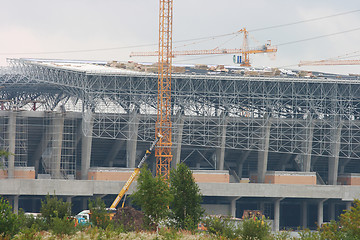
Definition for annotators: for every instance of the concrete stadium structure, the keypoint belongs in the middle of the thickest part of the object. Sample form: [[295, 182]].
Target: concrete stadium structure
[[286, 145]]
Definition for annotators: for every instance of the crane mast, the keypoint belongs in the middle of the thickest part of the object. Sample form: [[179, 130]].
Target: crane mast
[[163, 122]]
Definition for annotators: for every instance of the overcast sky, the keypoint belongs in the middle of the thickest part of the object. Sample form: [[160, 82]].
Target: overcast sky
[[54, 28]]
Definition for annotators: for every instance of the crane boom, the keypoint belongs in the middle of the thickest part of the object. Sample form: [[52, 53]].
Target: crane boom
[[134, 174], [244, 51], [262, 49], [329, 62]]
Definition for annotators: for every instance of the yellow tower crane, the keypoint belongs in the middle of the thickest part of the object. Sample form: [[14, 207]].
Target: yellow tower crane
[[245, 51]]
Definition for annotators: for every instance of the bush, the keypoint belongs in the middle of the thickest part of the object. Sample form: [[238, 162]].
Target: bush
[[99, 215], [62, 226], [222, 227], [9, 224], [255, 229], [309, 235], [53, 208]]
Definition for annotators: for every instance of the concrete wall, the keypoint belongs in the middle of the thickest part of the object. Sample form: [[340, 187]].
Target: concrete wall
[[211, 176], [349, 179], [217, 209], [19, 173], [110, 174], [284, 177]]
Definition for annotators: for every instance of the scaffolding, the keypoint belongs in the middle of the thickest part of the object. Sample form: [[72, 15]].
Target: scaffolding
[[59, 156], [281, 114]]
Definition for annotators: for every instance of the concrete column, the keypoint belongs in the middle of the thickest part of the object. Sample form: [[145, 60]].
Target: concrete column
[[263, 153], [334, 159], [11, 143], [57, 132], [115, 148], [16, 204], [320, 217], [86, 145], [244, 156], [45, 138], [177, 146], [304, 214], [348, 205], [131, 143], [332, 210], [220, 151], [233, 206], [84, 203], [284, 161], [277, 214], [262, 207], [307, 146], [68, 200]]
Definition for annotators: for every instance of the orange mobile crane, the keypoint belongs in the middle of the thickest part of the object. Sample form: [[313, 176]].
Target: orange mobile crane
[[245, 51]]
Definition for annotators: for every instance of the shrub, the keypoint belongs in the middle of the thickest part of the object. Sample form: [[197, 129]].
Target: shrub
[[255, 229], [62, 226], [309, 235], [222, 227], [9, 224], [99, 216], [53, 208]]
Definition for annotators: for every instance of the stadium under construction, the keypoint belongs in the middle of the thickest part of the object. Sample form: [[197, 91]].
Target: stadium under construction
[[286, 143]]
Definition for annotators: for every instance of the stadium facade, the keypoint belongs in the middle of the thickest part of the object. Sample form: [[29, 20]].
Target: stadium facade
[[282, 143]]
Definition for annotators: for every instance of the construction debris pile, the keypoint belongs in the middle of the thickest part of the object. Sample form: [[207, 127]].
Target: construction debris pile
[[130, 218]]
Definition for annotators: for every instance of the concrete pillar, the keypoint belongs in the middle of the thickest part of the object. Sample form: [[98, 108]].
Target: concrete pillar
[[262, 207], [334, 159], [348, 205], [115, 148], [307, 146], [320, 216], [68, 200], [57, 132], [277, 214], [45, 138], [284, 161], [220, 151], [16, 204], [84, 203], [244, 156], [177, 145], [332, 210], [304, 214], [263, 152], [131, 143], [11, 143], [233, 206], [86, 145]]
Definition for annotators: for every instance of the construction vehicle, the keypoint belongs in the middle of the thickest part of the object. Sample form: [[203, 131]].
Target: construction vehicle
[[134, 174], [83, 218]]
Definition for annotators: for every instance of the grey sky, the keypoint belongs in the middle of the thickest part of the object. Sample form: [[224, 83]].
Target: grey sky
[[33, 26]]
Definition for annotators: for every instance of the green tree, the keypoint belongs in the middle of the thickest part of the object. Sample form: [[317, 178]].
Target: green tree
[[153, 196], [99, 215], [9, 224], [186, 198], [52, 208], [346, 228]]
